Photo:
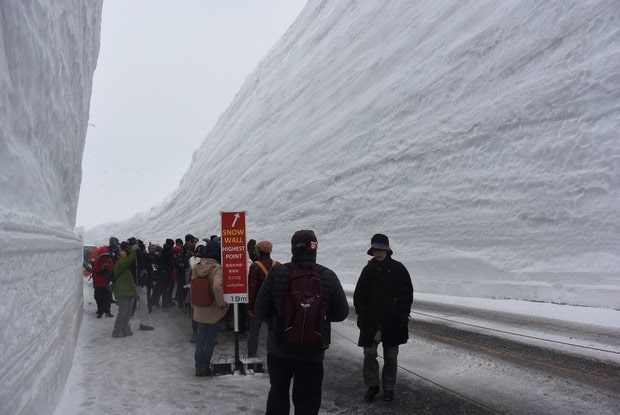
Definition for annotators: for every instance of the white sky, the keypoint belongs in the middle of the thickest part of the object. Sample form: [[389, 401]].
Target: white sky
[[166, 71]]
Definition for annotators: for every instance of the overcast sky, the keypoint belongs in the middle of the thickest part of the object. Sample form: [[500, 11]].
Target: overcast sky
[[166, 71]]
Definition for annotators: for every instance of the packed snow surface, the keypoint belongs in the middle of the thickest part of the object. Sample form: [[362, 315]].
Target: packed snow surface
[[480, 136]]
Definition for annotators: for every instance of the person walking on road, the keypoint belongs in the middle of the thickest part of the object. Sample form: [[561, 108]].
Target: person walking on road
[[382, 298], [283, 361]]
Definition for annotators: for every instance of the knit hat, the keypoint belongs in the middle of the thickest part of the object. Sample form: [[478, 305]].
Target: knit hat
[[199, 247], [304, 240], [380, 241], [212, 250], [264, 246]]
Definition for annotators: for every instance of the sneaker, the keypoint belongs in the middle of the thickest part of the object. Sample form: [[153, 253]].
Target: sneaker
[[145, 327], [388, 396], [108, 314], [371, 393], [118, 334], [99, 315]]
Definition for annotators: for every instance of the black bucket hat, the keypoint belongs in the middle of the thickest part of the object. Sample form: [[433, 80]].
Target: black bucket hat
[[380, 241]]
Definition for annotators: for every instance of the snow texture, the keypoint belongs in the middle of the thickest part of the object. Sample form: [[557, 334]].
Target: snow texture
[[48, 52], [480, 136]]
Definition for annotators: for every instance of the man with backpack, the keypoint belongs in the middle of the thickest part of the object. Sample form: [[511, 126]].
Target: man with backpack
[[261, 265], [299, 300]]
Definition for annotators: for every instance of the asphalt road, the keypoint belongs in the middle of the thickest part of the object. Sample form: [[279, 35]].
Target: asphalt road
[[447, 369]]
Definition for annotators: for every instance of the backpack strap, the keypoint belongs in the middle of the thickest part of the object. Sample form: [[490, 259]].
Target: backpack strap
[[263, 268]]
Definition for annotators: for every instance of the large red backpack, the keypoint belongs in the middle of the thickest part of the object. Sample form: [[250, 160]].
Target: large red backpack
[[302, 322], [201, 294]]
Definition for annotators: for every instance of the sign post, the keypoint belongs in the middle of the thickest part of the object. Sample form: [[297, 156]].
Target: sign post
[[234, 267]]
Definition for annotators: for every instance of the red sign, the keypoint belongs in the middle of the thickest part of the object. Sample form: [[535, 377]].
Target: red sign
[[234, 257]]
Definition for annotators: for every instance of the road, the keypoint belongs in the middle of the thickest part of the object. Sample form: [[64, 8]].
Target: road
[[457, 361], [454, 368]]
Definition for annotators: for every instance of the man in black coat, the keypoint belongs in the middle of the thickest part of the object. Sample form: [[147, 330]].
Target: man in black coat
[[382, 299], [305, 368]]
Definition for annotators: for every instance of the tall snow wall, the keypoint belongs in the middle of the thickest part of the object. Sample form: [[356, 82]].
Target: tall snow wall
[[481, 136], [48, 53]]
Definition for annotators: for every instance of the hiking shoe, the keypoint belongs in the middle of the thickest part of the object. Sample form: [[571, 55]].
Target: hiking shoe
[[371, 393], [388, 396], [108, 314], [118, 334], [203, 371], [145, 327]]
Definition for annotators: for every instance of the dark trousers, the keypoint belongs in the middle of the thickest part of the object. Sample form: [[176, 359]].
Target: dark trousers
[[163, 290], [103, 298], [307, 385]]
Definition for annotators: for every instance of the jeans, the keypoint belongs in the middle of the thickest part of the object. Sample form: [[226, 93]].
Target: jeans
[[371, 365], [205, 343]]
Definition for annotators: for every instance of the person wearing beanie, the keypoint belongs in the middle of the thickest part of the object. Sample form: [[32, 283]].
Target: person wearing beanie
[[208, 318], [256, 275], [251, 249], [382, 298], [306, 368]]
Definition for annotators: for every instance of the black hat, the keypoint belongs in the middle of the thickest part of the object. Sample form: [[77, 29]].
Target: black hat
[[380, 241], [212, 250], [125, 247], [304, 240]]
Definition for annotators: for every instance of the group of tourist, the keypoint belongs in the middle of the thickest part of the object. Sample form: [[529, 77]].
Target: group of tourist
[[160, 276]]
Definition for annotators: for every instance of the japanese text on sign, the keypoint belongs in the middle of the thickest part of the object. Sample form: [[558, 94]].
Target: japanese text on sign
[[234, 262]]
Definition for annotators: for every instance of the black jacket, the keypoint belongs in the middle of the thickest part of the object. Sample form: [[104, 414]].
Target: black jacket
[[382, 299], [270, 302]]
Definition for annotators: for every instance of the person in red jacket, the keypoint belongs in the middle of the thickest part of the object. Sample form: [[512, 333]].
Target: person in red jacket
[[103, 267]]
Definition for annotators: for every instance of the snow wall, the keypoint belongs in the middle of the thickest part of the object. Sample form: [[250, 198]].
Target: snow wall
[[481, 136], [48, 53]]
